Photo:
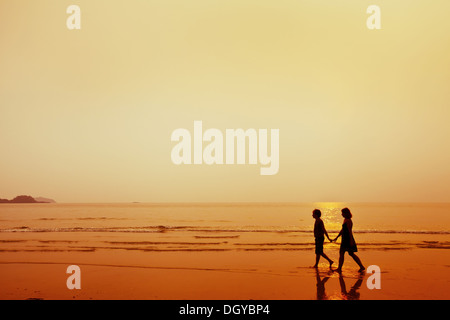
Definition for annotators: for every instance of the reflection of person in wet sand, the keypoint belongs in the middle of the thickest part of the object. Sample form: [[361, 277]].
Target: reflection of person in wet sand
[[319, 235], [348, 242], [321, 295], [353, 294]]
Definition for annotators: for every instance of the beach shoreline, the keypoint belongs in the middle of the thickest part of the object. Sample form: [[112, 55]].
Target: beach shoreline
[[219, 252], [222, 276]]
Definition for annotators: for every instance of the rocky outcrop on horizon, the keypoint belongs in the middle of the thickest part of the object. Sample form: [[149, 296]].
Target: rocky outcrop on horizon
[[27, 199]]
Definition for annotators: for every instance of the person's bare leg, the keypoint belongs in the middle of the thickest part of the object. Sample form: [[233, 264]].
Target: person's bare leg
[[329, 260], [317, 261], [357, 260], [341, 261]]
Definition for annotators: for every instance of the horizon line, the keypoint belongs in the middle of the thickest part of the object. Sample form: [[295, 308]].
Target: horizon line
[[244, 202]]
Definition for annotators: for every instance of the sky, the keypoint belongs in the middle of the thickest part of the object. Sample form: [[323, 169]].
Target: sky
[[87, 115]]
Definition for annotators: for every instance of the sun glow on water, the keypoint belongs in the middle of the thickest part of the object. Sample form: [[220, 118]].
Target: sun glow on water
[[331, 214]]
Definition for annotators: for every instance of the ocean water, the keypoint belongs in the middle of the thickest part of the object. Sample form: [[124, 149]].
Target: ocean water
[[216, 226]]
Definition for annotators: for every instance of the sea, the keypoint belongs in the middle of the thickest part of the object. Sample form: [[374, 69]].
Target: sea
[[216, 226]]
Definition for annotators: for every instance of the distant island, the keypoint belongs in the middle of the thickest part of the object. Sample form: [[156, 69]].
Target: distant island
[[28, 199]]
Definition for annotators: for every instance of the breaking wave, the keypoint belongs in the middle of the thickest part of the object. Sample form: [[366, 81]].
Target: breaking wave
[[162, 229]]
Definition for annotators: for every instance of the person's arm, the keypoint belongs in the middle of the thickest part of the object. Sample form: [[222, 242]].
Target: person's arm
[[340, 234], [325, 232]]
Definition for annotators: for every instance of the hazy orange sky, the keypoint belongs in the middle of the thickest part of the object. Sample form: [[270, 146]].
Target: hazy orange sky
[[86, 115]]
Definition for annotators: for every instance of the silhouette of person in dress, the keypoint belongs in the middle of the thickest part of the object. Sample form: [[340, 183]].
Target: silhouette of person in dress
[[348, 243]]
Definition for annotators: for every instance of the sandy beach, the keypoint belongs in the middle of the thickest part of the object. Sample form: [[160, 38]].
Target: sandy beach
[[221, 275], [171, 261]]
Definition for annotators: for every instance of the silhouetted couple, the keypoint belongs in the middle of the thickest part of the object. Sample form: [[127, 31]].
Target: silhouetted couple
[[347, 243]]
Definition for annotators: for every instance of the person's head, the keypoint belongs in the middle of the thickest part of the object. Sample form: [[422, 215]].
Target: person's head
[[346, 213], [316, 213]]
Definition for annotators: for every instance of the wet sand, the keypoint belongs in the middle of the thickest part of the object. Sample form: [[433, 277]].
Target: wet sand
[[219, 251], [36, 269]]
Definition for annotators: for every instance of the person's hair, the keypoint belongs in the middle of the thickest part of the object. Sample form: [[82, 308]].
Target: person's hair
[[317, 212], [346, 213]]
